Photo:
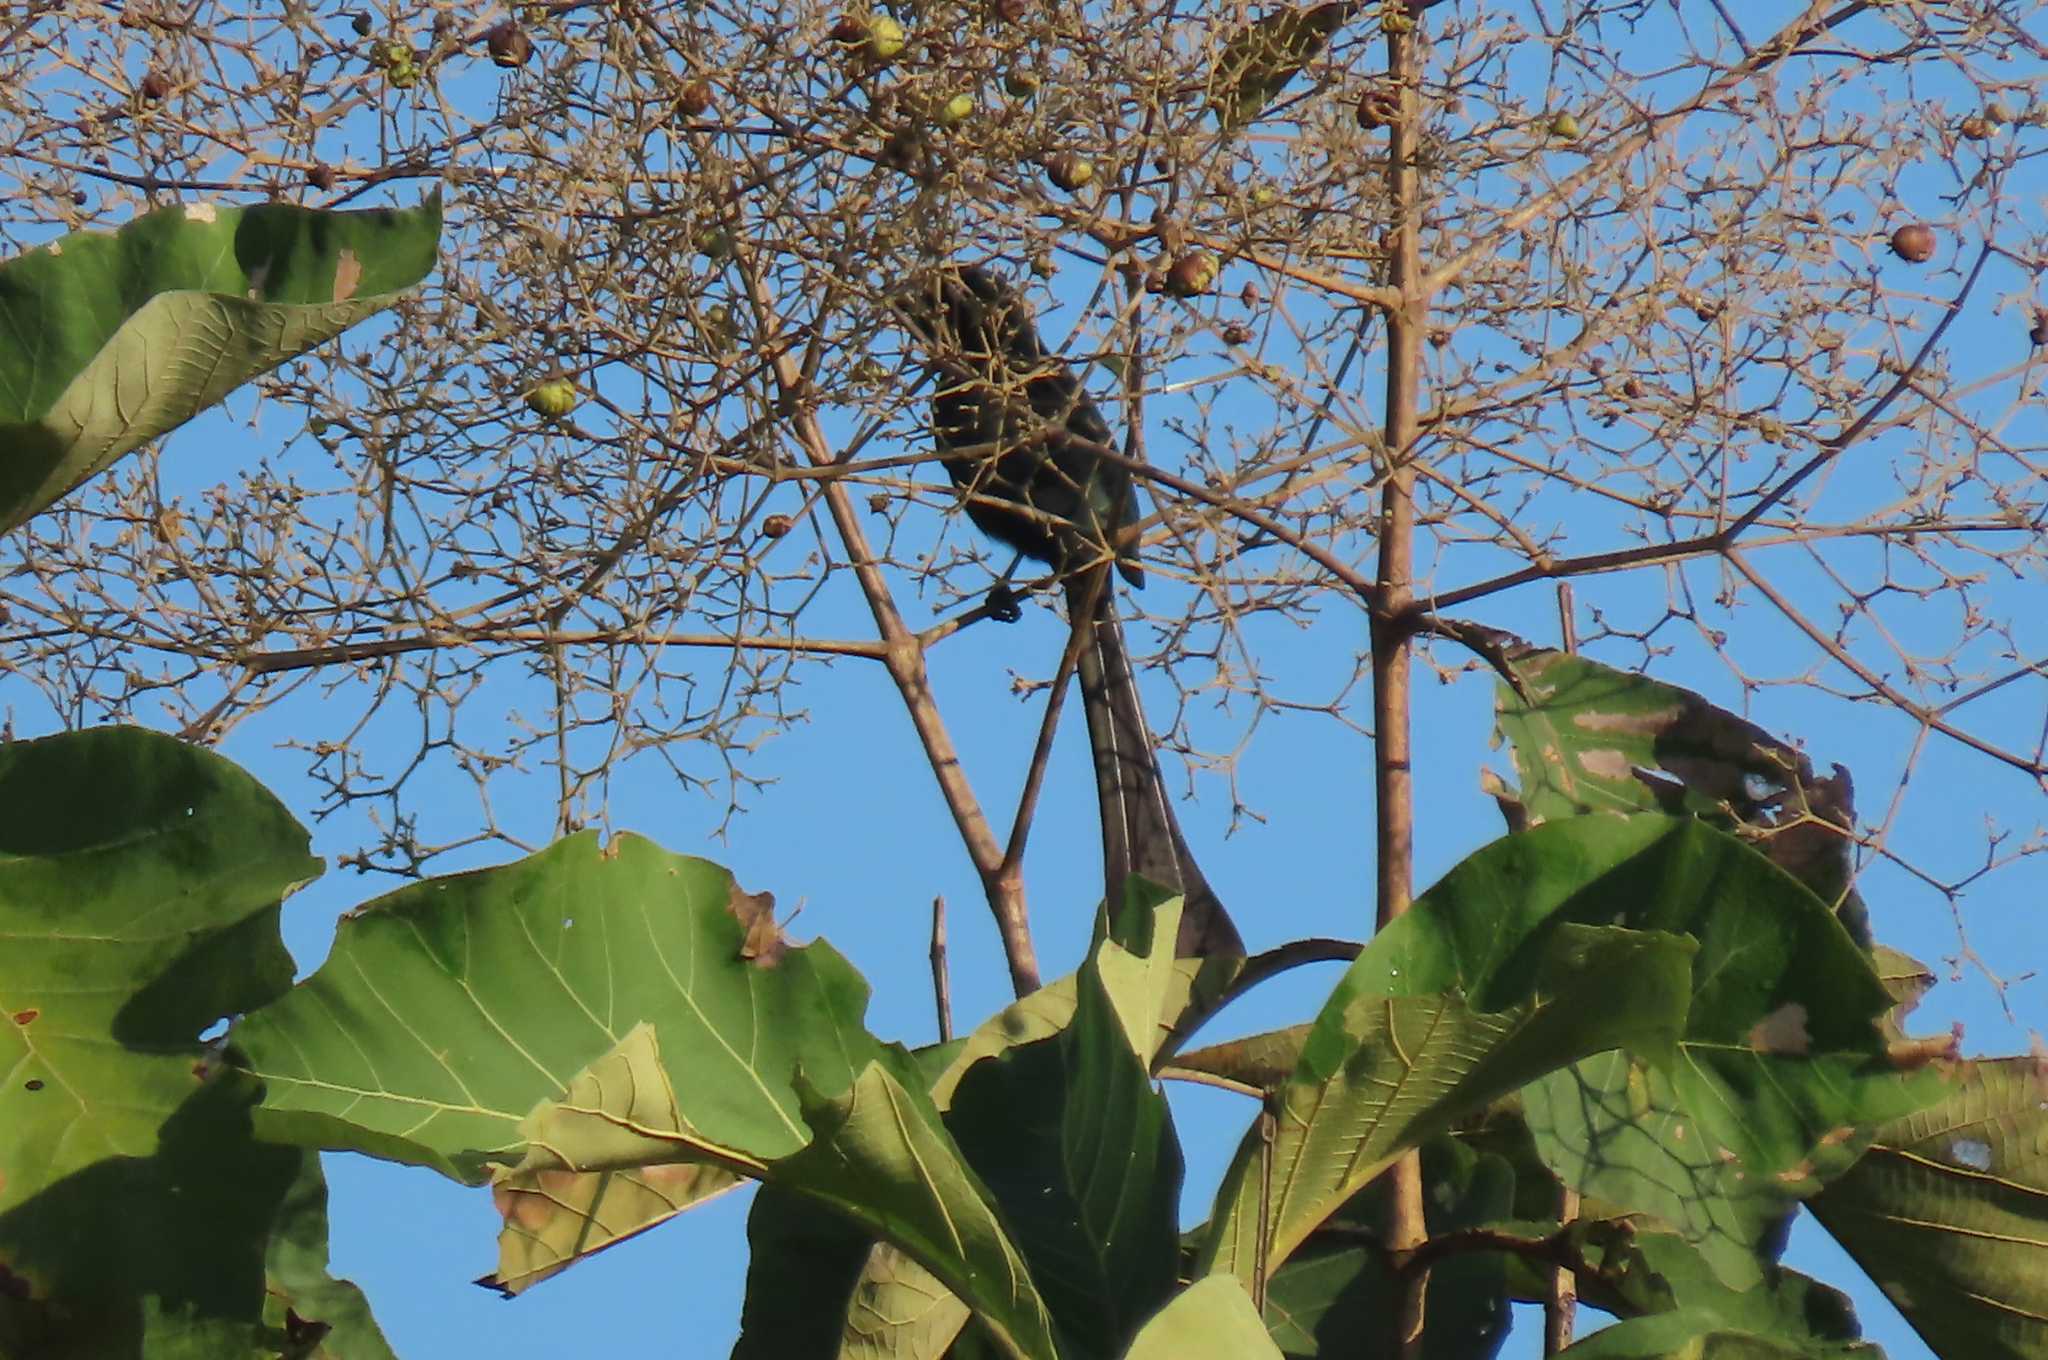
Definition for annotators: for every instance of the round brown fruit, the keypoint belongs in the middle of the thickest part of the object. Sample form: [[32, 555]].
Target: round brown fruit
[[1378, 107], [1069, 170], [1193, 274], [694, 99], [508, 44], [1914, 243]]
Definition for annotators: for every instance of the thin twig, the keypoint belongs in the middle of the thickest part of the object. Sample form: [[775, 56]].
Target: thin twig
[[1079, 635], [942, 984]]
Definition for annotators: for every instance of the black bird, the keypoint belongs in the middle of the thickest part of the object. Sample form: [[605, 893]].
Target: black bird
[[1023, 441]]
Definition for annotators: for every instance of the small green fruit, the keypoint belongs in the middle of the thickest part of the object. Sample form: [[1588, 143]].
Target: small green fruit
[[553, 399], [714, 243], [954, 111], [885, 38], [1565, 128], [720, 336]]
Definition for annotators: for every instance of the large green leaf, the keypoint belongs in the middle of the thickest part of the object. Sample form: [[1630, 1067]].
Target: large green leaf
[[1695, 1334], [1948, 1212], [449, 1010], [881, 1157], [1333, 1297], [614, 1007], [900, 1311], [1780, 1065], [1589, 738], [114, 338], [1386, 1067], [1211, 1319], [554, 1218], [802, 1262], [140, 880], [1078, 1147], [819, 1285], [897, 1308]]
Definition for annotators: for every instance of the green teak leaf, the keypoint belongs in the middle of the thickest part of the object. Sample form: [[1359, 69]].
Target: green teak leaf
[[614, 1008], [1693, 1334], [802, 1261], [900, 1311], [1781, 1071], [1332, 1297], [1077, 1145], [1589, 738], [451, 1010], [555, 1218], [1385, 1068], [881, 1157], [118, 337], [1948, 1212], [140, 881], [1212, 1319]]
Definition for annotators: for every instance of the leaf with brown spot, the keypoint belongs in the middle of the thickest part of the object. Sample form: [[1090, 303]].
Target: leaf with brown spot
[[121, 336], [765, 943], [1588, 738]]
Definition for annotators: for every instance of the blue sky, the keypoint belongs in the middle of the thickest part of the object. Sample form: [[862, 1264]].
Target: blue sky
[[850, 829]]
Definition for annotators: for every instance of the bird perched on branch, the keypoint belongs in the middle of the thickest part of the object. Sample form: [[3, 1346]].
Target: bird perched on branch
[[1026, 446]]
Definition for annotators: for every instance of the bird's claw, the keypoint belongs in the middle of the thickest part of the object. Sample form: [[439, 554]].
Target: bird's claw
[[1002, 603]]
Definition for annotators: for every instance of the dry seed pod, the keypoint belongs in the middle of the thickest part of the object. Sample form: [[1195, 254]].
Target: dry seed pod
[[1069, 170], [694, 99], [508, 44], [1914, 243]]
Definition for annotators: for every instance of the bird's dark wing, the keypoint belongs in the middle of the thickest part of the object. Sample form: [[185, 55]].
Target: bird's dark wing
[[1022, 437]]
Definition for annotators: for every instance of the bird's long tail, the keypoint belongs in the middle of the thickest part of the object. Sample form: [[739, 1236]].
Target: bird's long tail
[[1140, 834]]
